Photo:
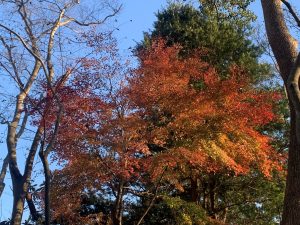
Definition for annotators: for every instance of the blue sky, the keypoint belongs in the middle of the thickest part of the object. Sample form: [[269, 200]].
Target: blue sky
[[138, 16]]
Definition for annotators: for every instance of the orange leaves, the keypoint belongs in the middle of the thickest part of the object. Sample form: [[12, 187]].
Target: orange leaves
[[207, 121], [173, 115]]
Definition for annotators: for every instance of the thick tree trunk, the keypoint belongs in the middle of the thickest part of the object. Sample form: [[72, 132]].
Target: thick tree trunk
[[18, 209], [18, 204], [291, 212], [21, 183], [283, 45], [285, 51]]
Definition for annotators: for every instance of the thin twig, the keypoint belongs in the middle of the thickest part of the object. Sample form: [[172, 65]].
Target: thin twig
[[153, 199]]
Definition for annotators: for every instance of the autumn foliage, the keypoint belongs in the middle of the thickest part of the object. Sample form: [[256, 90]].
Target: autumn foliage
[[199, 119], [169, 117]]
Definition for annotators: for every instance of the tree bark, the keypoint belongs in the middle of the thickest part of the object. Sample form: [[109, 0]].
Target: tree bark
[[21, 183], [36, 217], [283, 45], [47, 174], [204, 191], [212, 196], [20, 189], [117, 212], [284, 48], [194, 192], [3, 174]]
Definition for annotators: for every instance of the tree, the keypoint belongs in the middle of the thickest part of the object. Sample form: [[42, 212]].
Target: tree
[[182, 99], [175, 132], [33, 52], [98, 141], [170, 108], [185, 126], [284, 47], [223, 29]]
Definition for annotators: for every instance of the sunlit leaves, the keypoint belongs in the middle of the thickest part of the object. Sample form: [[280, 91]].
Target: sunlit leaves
[[215, 122]]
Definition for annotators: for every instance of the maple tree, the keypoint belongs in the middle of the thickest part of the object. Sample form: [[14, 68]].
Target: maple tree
[[38, 55], [171, 120], [212, 121], [192, 122], [97, 141], [226, 39]]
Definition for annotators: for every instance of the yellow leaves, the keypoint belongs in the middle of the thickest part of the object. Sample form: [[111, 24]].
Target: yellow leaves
[[205, 122]]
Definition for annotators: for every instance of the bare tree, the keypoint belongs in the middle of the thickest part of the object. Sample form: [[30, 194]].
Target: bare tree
[[40, 43]]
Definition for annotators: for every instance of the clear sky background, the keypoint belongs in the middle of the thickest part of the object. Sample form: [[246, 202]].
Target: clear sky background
[[136, 17], [139, 15]]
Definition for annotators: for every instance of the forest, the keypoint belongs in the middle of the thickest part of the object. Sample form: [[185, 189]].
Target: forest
[[199, 125]]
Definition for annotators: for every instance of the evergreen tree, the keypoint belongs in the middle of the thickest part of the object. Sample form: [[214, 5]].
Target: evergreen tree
[[224, 30]]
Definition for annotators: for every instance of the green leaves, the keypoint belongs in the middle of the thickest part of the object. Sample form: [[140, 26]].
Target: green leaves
[[222, 29]]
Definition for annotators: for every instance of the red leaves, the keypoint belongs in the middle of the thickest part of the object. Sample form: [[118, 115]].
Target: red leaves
[[179, 105], [189, 107], [173, 115]]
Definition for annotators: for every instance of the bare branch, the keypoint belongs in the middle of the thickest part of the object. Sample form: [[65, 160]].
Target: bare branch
[[3, 173], [54, 135], [22, 41], [12, 62], [23, 124], [292, 11], [115, 12], [28, 24], [50, 47]]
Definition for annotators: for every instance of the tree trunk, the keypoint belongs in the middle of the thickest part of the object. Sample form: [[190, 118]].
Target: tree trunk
[[18, 209], [47, 174], [285, 51], [291, 212], [212, 196], [21, 183], [194, 190], [18, 204], [204, 189], [36, 217], [117, 212]]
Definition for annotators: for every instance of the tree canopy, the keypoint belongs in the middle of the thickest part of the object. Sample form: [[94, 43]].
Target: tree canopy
[[193, 133]]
